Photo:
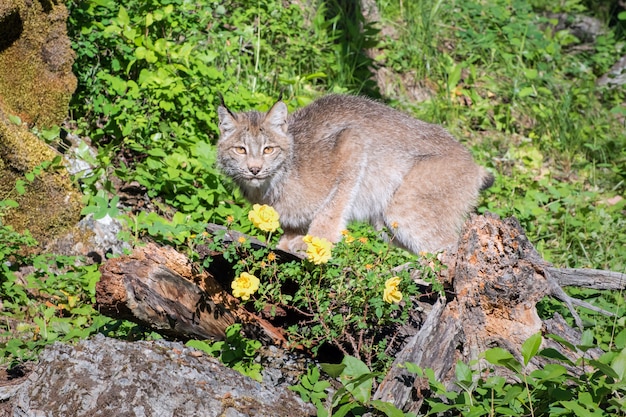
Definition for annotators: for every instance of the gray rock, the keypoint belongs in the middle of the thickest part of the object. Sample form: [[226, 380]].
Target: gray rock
[[91, 237], [585, 28], [616, 76], [109, 377]]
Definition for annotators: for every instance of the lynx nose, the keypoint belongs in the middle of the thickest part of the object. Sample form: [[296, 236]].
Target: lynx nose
[[254, 170]]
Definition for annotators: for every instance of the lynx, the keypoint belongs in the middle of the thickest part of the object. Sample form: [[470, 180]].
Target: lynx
[[345, 158]]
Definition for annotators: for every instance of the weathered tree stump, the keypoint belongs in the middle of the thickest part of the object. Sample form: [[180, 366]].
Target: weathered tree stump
[[498, 278]]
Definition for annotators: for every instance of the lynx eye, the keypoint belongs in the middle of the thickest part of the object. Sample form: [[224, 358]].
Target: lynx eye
[[240, 150], [268, 150]]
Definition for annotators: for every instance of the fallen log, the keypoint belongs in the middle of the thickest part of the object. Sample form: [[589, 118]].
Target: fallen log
[[159, 288]]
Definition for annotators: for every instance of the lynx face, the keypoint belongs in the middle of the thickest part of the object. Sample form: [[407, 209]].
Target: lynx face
[[253, 146]]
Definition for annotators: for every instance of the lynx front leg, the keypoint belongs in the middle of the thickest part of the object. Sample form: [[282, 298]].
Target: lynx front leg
[[338, 207]]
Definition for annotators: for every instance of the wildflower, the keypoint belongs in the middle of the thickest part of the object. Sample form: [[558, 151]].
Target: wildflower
[[349, 239], [345, 232], [394, 225], [245, 285], [264, 217], [230, 219], [392, 294], [271, 256], [369, 266], [318, 249], [241, 239], [363, 239]]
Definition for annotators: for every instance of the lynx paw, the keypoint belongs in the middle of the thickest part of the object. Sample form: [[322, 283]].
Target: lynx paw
[[293, 244]]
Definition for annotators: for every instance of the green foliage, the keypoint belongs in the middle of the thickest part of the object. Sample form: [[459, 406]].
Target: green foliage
[[561, 388], [312, 389], [340, 302], [149, 74], [235, 351], [353, 398], [45, 298], [498, 74]]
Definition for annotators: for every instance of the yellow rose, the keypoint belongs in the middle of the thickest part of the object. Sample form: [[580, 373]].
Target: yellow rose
[[392, 294], [264, 217], [244, 286], [318, 249]]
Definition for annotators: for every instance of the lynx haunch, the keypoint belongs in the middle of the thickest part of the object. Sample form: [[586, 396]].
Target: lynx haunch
[[345, 158]]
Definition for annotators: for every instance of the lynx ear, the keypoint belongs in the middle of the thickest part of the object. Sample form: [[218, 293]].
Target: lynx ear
[[228, 121], [277, 116]]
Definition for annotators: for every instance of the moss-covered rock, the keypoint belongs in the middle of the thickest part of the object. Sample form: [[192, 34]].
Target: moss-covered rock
[[36, 79], [36, 83], [51, 205]]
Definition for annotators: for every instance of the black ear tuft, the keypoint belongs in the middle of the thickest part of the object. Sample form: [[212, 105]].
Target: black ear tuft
[[223, 104], [221, 97]]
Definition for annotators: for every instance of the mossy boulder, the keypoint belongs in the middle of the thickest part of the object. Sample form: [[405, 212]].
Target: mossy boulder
[[36, 84], [36, 79], [51, 205]]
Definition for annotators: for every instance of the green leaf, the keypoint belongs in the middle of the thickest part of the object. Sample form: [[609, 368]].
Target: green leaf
[[555, 354], [531, 73], [413, 368], [357, 379], [526, 91], [604, 368], [619, 365], [587, 341], [530, 347], [464, 375], [15, 119], [345, 409], [20, 187], [387, 408], [502, 357], [332, 369], [122, 17], [9, 203], [562, 341], [620, 339], [204, 347]]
